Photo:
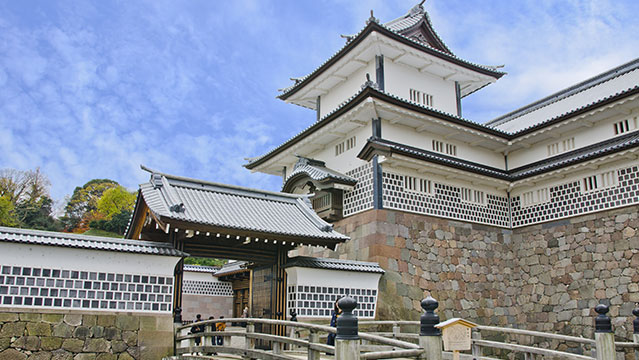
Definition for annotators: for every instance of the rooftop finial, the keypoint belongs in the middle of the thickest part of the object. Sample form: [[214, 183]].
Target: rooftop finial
[[372, 19], [417, 9], [369, 82]]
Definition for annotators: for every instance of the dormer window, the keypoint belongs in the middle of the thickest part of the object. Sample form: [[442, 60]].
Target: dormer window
[[345, 145], [421, 97], [624, 126], [444, 148]]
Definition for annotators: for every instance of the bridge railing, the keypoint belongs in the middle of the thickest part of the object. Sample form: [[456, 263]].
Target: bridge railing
[[425, 345]]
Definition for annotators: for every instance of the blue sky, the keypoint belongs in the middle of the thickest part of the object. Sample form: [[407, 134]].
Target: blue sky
[[93, 89]]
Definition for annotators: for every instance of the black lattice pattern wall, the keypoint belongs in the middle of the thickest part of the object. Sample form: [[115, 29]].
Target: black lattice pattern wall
[[212, 288], [445, 201], [567, 200], [317, 301], [35, 287], [361, 197]]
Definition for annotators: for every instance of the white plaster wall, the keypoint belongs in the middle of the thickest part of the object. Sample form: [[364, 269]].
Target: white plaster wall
[[334, 278], [440, 179], [602, 130], [580, 99], [400, 78], [57, 257], [200, 276], [407, 135], [347, 88], [347, 160]]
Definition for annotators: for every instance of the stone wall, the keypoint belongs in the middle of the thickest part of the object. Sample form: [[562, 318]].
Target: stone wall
[[544, 277], [83, 336], [206, 306]]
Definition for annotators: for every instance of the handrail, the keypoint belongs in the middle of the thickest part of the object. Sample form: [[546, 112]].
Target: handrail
[[530, 349], [391, 354], [538, 334]]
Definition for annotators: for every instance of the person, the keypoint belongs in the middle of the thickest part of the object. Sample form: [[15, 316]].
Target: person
[[197, 328], [336, 312], [213, 328], [244, 316], [221, 326]]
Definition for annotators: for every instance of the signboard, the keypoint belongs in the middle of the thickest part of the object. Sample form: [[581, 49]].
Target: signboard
[[456, 337]]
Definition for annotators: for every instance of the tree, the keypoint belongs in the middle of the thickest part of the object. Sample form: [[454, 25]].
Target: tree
[[7, 212], [25, 200], [114, 201], [85, 201]]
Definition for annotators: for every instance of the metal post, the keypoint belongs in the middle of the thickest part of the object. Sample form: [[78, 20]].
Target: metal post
[[347, 339], [430, 337], [313, 338], [635, 332], [604, 338], [476, 350]]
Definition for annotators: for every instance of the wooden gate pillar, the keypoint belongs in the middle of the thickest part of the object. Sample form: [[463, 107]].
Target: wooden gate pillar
[[178, 275]]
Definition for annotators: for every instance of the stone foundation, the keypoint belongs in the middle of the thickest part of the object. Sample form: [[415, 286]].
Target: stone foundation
[[83, 336], [545, 277]]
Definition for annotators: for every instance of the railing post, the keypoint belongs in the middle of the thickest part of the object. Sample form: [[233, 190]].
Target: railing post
[[430, 337], [249, 343], [177, 322], [313, 338], [604, 338], [347, 339], [476, 350], [396, 330], [635, 332]]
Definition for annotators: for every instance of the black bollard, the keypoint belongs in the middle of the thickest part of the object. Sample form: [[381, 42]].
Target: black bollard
[[635, 322], [602, 322], [429, 319], [177, 315], [347, 322]]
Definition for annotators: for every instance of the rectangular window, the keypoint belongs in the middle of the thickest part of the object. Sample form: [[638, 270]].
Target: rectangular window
[[561, 146], [621, 127], [473, 196], [534, 197], [609, 179], [346, 145], [421, 97], [418, 185], [604, 180], [444, 148]]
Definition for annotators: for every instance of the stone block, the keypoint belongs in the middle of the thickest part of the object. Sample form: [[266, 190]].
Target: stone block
[[8, 317], [39, 329], [134, 352], [97, 345], [81, 332], [12, 354], [112, 333], [61, 355], [50, 343], [164, 323], [73, 319], [106, 357], [30, 343], [4, 343], [85, 356], [62, 330], [127, 322], [148, 323], [73, 345], [30, 317], [97, 331], [106, 320], [13, 329], [130, 338], [118, 346], [40, 355], [52, 318], [125, 356], [89, 320]]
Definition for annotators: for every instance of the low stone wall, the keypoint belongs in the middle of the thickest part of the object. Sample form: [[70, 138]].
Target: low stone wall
[[83, 336], [206, 306], [545, 277]]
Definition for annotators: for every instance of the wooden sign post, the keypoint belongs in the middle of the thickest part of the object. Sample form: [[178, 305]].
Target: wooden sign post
[[456, 335]]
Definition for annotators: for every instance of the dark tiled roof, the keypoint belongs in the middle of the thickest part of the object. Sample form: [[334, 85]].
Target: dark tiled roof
[[318, 171], [416, 16], [374, 144], [232, 268], [236, 208], [200, 268], [616, 144], [560, 95], [361, 95], [375, 26], [50, 238], [334, 264], [613, 145]]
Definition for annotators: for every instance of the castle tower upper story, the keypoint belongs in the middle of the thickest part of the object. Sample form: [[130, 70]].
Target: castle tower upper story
[[404, 57]]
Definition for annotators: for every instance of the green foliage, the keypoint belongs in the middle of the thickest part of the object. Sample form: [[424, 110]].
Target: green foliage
[[98, 232], [85, 201], [204, 261], [114, 201], [25, 200], [7, 212], [117, 224]]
